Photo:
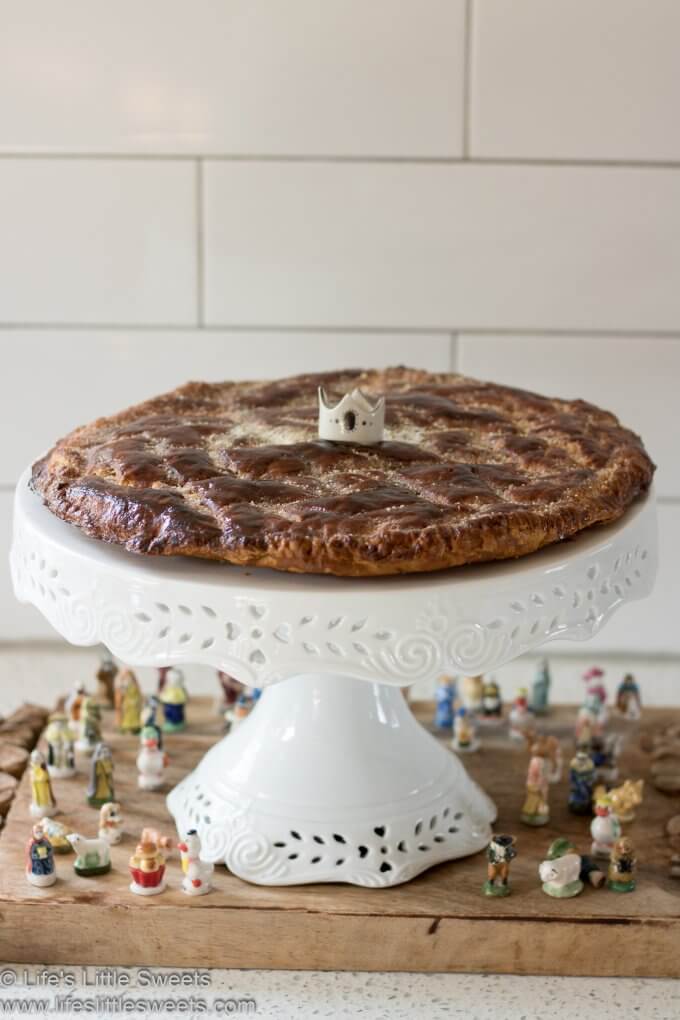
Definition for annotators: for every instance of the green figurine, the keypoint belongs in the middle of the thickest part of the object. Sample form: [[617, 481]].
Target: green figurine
[[540, 689], [499, 853], [100, 790]]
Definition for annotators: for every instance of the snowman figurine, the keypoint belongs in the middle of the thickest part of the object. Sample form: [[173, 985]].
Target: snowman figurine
[[605, 827]]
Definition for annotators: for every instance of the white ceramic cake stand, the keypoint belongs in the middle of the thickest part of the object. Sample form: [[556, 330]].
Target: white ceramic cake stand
[[330, 779]]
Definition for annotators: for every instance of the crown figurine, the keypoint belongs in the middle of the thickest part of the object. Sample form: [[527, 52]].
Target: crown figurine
[[353, 420]]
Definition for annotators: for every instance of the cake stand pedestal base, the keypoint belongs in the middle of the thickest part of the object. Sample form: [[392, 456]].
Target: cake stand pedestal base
[[332, 779]]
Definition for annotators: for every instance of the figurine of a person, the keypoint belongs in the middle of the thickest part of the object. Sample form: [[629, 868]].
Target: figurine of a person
[[499, 854], [492, 703], [151, 761], [128, 702], [147, 869], [61, 761], [604, 750], [622, 866], [520, 716], [589, 721], [40, 868], [73, 703], [471, 692], [230, 689], [596, 692], [464, 731], [540, 690], [536, 810], [100, 789], [111, 822], [560, 872], [581, 781], [106, 680], [174, 698], [445, 694], [605, 827], [43, 802], [148, 718], [628, 702], [90, 726]]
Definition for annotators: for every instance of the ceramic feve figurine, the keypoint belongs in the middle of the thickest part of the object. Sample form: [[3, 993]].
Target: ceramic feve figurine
[[43, 801], [628, 702], [540, 689], [520, 719], [73, 703], [61, 761], [148, 717], [151, 761], [128, 699], [604, 750], [198, 874], [605, 827], [57, 835], [589, 722], [90, 726], [581, 781], [560, 872], [465, 731], [626, 798], [173, 699], [595, 689], [230, 689], [147, 869], [500, 852], [238, 713], [40, 868], [111, 822], [622, 866], [471, 692], [536, 809], [444, 696], [492, 703], [106, 680], [92, 855], [100, 789]]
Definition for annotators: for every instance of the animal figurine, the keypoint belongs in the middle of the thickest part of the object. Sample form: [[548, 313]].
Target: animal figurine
[[174, 698], [444, 698], [43, 802], [148, 718], [40, 868], [100, 789], [61, 761], [151, 761], [561, 870], [92, 855], [471, 692], [128, 700], [625, 799], [520, 717], [492, 703], [499, 854], [106, 680], [622, 866], [197, 879], [73, 703], [147, 869], [540, 689], [89, 726], [628, 702], [605, 827], [464, 732], [57, 835], [111, 822], [581, 780]]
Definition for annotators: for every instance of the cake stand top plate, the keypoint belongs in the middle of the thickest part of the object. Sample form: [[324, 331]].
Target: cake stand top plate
[[262, 626]]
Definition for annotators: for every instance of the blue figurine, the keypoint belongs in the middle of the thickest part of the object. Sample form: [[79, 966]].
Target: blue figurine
[[445, 696], [540, 690], [148, 718], [581, 781]]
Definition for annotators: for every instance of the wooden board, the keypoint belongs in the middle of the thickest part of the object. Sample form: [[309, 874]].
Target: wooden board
[[438, 922]]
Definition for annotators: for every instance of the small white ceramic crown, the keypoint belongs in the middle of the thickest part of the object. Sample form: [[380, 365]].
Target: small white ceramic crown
[[353, 420]]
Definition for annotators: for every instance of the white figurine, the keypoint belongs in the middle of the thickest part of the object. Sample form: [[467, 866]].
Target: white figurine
[[110, 823], [560, 873], [605, 827], [93, 856], [520, 717], [197, 879], [151, 761]]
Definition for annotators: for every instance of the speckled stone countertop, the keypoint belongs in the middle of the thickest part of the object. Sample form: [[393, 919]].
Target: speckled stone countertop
[[369, 996]]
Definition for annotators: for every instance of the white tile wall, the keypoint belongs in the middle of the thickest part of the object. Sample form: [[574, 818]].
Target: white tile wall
[[440, 246], [97, 241], [103, 371], [343, 77], [573, 79], [635, 377]]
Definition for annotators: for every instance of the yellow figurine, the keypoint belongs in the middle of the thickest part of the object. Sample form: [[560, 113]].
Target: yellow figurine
[[624, 798], [43, 803], [128, 702]]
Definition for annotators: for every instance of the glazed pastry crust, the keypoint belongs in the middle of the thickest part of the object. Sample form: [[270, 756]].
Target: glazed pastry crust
[[468, 471]]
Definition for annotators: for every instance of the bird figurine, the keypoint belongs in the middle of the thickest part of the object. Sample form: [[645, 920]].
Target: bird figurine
[[197, 879]]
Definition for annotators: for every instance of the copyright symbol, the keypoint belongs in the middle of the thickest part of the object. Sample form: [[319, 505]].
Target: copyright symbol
[[7, 978]]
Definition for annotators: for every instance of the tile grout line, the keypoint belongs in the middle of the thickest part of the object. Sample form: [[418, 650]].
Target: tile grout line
[[467, 78]]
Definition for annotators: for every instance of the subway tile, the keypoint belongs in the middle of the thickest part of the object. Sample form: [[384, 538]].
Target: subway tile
[[635, 377], [463, 246], [97, 241], [295, 77], [572, 79], [104, 371]]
